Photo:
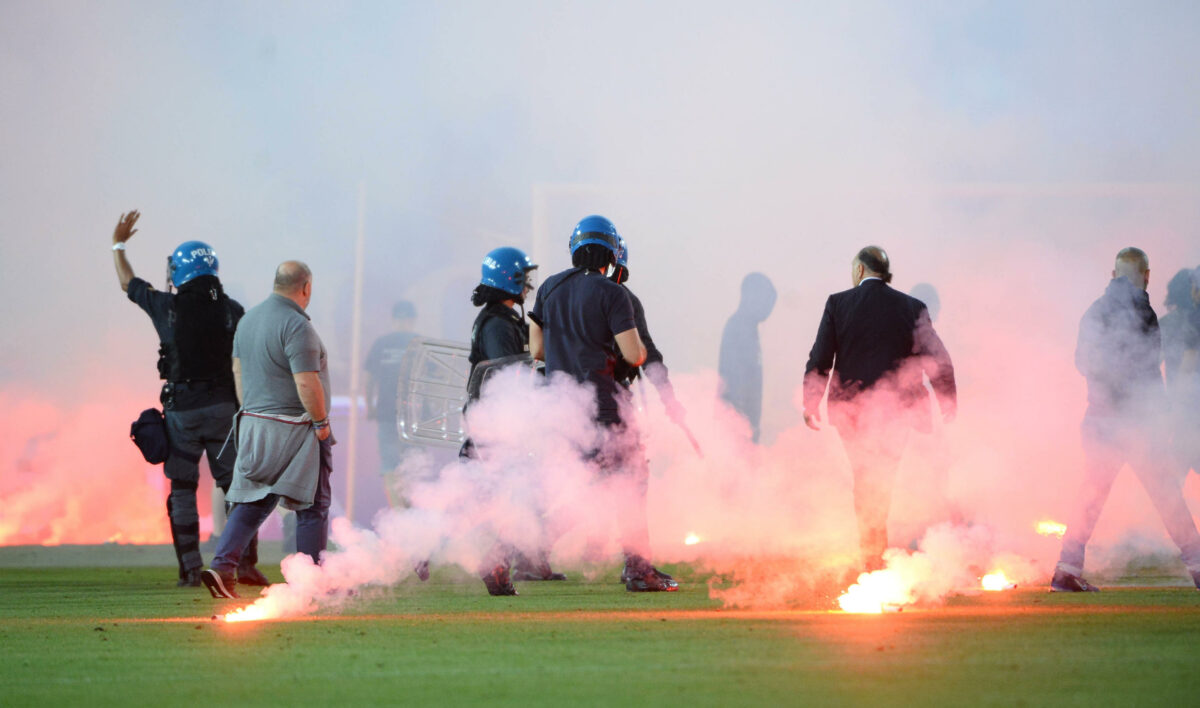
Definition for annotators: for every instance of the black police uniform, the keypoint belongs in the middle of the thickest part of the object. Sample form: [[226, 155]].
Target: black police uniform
[[199, 402], [624, 373], [580, 312], [498, 333]]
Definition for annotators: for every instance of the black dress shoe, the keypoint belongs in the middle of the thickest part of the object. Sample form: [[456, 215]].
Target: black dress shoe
[[498, 583]]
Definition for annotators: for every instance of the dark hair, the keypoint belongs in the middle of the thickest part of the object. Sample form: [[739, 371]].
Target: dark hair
[[875, 259], [593, 256], [486, 295], [404, 310]]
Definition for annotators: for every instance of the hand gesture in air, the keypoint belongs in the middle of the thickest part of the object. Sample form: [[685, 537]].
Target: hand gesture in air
[[124, 230]]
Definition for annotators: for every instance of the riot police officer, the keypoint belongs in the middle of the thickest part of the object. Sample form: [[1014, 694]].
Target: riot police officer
[[583, 323], [195, 327], [499, 338]]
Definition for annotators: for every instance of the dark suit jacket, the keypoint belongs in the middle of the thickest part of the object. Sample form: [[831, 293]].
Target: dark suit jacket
[[874, 338]]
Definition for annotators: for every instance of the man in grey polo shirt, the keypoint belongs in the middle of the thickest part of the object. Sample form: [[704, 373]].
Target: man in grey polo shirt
[[283, 435]]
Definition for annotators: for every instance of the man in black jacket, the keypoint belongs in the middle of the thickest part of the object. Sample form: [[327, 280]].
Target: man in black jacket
[[1119, 353], [872, 347]]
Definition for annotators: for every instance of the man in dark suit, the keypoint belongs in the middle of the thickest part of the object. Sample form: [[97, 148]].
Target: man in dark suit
[[873, 345]]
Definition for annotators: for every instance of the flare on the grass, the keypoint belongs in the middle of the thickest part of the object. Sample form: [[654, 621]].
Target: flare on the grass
[[1051, 528]]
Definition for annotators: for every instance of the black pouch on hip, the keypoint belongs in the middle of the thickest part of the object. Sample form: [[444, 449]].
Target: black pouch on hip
[[149, 433]]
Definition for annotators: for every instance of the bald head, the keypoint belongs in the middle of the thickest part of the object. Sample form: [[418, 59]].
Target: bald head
[[293, 280], [1133, 265], [871, 262], [291, 277]]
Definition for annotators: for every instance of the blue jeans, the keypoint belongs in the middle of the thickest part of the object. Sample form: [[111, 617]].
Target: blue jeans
[[312, 524]]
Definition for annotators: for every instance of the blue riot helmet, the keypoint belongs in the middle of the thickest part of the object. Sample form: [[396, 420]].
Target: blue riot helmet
[[191, 260], [508, 269], [595, 229], [620, 273]]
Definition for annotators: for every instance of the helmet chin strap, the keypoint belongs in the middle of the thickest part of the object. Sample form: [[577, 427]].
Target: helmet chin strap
[[170, 280]]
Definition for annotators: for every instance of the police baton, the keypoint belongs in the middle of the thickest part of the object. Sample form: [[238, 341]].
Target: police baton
[[682, 426]]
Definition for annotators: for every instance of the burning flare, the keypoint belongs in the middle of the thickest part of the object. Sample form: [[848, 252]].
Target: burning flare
[[997, 581], [877, 592], [260, 610], [1051, 528], [691, 540]]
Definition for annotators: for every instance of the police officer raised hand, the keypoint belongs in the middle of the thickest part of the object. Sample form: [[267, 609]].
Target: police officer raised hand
[[121, 233], [124, 229]]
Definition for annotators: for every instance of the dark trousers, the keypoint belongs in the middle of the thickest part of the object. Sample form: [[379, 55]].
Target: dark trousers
[[388, 437], [192, 433], [622, 463], [312, 524], [874, 450]]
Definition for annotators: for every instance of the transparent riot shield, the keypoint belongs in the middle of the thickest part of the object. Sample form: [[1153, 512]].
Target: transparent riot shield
[[431, 392], [486, 369]]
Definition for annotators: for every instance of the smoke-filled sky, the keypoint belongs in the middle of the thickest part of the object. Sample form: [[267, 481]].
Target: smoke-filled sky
[[1002, 151]]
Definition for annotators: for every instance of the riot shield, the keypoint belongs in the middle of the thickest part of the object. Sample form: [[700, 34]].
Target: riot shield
[[431, 392], [486, 369]]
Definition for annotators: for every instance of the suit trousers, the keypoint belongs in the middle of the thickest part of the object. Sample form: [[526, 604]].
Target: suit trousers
[[874, 450], [1108, 444]]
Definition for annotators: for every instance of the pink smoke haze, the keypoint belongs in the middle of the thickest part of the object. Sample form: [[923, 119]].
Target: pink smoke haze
[[72, 476], [776, 522]]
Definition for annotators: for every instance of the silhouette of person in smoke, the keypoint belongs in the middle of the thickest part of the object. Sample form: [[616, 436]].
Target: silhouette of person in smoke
[[872, 347], [1119, 353], [383, 377], [1180, 327], [740, 361]]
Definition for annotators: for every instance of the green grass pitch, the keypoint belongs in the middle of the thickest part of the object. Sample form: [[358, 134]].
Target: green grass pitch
[[125, 636]]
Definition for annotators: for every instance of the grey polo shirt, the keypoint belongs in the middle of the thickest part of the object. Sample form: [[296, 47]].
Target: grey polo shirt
[[274, 340]]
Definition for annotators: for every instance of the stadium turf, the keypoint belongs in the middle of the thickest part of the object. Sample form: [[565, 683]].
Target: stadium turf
[[124, 636]]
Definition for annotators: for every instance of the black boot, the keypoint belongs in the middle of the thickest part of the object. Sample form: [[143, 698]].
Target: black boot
[[643, 577], [525, 568]]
